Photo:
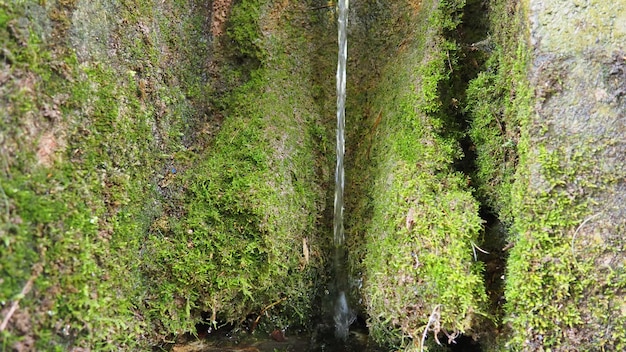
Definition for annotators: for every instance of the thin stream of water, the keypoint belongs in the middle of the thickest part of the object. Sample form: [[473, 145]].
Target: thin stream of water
[[341, 115], [343, 315]]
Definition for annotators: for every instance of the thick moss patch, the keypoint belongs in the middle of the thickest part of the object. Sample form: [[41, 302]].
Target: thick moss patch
[[549, 169], [85, 148], [414, 239], [566, 272], [250, 234], [120, 206]]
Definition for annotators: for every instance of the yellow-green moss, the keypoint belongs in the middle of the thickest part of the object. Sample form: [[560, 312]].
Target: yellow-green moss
[[251, 205], [496, 101], [564, 279], [420, 221], [69, 185], [93, 208]]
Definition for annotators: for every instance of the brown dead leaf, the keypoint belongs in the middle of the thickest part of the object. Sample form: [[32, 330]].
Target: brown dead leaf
[[47, 146], [410, 219], [220, 11]]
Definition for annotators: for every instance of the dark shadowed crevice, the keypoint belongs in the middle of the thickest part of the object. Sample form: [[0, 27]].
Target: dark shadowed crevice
[[471, 57], [462, 344], [473, 34]]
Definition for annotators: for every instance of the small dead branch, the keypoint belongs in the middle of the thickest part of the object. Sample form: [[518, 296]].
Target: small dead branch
[[256, 321], [452, 337], [578, 229], [214, 314], [474, 248], [37, 269], [508, 246], [434, 324]]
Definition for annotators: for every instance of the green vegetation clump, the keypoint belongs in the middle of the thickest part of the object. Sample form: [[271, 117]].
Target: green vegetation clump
[[565, 278], [553, 187], [86, 147], [73, 193], [416, 255], [250, 235], [123, 217], [493, 132], [497, 99]]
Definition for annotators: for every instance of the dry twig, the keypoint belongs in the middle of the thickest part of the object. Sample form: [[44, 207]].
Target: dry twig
[[15, 305], [256, 321], [433, 320], [578, 229], [474, 248]]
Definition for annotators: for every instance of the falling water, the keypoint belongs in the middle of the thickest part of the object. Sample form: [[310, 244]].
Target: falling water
[[343, 315], [341, 116]]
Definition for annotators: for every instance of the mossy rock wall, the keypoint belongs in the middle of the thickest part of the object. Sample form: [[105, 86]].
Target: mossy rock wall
[[97, 102], [168, 163], [160, 168], [547, 120], [413, 232], [251, 232], [566, 274], [547, 163]]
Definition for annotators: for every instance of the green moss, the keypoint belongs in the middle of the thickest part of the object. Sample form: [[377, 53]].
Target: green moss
[[554, 283], [245, 31], [139, 225], [250, 226], [548, 186], [422, 220], [81, 208], [495, 134], [497, 100], [241, 238]]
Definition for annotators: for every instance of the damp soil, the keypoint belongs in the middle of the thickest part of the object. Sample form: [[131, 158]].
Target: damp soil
[[358, 341], [229, 338], [321, 340]]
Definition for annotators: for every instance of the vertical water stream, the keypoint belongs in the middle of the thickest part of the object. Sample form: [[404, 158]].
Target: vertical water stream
[[341, 116], [343, 315]]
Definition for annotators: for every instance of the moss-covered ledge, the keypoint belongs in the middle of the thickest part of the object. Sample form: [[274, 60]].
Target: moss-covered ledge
[[413, 232], [548, 125], [566, 274]]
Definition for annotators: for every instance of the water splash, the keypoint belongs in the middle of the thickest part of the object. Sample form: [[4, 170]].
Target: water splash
[[343, 315]]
